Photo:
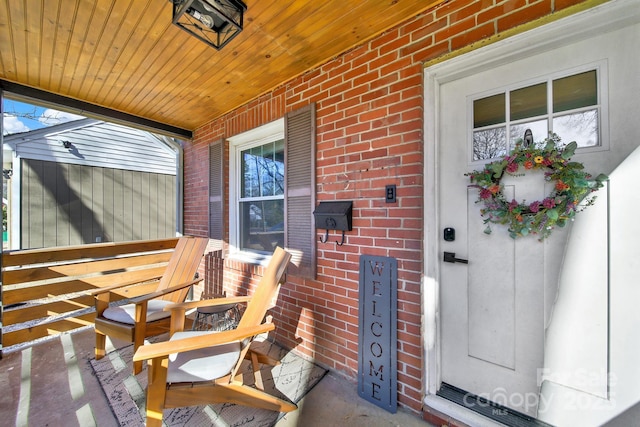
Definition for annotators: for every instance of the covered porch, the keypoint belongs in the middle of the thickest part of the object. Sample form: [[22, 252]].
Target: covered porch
[[51, 382], [340, 103]]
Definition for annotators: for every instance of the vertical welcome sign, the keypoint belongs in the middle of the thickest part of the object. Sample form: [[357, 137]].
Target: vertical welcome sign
[[377, 353]]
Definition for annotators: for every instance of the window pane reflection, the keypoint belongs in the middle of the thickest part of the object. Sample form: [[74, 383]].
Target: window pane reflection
[[580, 127], [262, 225], [539, 128], [578, 91], [527, 102], [489, 143], [263, 170], [489, 111]]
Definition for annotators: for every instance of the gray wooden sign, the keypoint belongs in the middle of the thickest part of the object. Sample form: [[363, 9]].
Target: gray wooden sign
[[377, 351]]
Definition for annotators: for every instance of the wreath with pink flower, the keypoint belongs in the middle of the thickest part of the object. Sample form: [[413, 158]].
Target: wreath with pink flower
[[571, 192]]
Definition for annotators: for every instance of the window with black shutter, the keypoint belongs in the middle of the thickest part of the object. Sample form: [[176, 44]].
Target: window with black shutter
[[271, 190]]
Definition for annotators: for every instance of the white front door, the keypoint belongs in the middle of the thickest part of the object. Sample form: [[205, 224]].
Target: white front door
[[494, 309]]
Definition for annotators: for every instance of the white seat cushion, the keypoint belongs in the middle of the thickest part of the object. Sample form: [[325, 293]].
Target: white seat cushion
[[204, 364], [126, 313]]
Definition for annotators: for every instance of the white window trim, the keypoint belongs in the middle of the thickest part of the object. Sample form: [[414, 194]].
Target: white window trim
[[261, 135]]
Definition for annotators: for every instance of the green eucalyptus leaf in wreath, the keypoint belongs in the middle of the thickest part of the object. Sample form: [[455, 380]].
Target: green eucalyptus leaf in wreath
[[487, 230], [497, 168], [602, 177], [574, 165], [524, 231], [551, 144], [552, 214], [581, 182], [569, 150]]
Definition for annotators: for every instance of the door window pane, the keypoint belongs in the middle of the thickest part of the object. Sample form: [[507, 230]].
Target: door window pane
[[489, 111], [528, 102], [580, 127], [489, 143], [539, 128], [578, 91]]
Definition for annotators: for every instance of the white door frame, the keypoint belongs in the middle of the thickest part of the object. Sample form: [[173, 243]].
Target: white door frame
[[606, 17]]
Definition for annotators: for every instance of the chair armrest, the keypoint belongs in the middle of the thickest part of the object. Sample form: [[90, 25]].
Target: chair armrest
[[207, 303], [179, 310], [102, 296], [169, 290], [164, 349], [110, 288]]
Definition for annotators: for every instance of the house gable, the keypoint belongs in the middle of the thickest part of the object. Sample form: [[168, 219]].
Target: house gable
[[95, 143]]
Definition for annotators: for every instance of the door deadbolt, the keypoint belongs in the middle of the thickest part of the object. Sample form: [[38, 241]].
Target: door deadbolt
[[449, 234]]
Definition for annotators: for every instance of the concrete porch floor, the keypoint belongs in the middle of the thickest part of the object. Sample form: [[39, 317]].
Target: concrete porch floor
[[52, 383]]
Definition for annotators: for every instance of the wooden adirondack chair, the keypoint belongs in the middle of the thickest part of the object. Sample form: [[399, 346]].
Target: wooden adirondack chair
[[203, 366], [144, 316]]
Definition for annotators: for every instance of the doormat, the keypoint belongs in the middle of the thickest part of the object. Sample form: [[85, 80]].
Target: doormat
[[291, 380]]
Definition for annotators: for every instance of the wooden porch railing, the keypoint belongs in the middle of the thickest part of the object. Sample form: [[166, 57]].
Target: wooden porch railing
[[48, 291]]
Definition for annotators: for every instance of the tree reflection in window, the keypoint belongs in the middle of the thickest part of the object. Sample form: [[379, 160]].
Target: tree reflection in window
[[262, 197]]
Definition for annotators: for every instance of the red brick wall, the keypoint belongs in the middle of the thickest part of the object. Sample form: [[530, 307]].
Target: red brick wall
[[369, 134]]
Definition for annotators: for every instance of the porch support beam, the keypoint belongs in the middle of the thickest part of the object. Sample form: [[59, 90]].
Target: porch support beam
[[30, 94]]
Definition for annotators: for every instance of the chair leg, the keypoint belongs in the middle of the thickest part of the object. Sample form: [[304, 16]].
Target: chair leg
[[257, 375], [137, 367], [156, 391], [262, 358], [234, 392], [249, 396], [101, 342], [138, 341]]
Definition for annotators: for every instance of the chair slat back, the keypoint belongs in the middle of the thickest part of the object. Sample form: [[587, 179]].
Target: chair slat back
[[183, 265], [266, 290], [261, 299]]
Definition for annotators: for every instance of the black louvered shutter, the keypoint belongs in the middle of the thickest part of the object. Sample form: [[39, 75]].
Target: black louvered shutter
[[216, 190], [300, 131]]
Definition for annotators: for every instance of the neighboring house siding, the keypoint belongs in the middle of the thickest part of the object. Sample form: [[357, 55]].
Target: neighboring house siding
[[369, 118], [109, 183], [65, 204]]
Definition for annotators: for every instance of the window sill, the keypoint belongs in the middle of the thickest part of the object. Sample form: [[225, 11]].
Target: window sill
[[250, 258]]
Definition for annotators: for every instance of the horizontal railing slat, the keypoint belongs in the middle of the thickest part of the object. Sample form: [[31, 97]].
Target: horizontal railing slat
[[29, 313], [46, 329], [25, 294], [94, 250], [52, 272]]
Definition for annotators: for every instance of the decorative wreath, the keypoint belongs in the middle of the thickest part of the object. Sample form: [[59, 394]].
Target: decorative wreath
[[572, 186]]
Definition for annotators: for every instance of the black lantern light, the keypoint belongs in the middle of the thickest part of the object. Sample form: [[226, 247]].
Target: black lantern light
[[215, 22]]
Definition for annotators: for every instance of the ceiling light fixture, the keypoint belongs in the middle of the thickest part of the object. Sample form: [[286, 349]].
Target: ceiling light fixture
[[214, 22]]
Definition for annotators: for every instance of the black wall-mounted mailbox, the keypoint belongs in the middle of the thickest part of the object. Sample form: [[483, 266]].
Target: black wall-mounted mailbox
[[334, 215]]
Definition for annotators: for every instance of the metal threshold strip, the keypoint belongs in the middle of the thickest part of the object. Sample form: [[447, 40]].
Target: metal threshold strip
[[491, 410]]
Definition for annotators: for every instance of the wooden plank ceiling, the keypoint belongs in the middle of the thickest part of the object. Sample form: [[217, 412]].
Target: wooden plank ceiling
[[127, 56]]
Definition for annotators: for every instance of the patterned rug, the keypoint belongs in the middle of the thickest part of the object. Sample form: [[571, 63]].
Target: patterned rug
[[290, 380]]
